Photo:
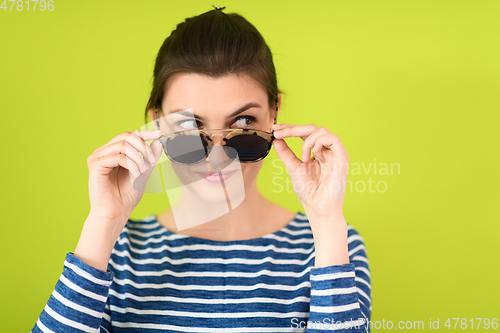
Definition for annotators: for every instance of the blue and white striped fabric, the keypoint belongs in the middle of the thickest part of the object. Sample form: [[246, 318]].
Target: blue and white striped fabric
[[159, 281]]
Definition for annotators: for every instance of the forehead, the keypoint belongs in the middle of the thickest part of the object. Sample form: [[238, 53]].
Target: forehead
[[190, 90]]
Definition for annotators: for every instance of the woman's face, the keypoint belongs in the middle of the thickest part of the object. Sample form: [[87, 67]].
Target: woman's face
[[224, 103]]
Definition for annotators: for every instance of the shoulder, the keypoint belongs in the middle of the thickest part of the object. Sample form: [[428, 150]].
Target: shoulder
[[135, 244], [355, 242], [139, 227], [357, 249], [137, 235], [354, 238]]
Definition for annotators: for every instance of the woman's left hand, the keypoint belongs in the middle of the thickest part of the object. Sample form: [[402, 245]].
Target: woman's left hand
[[318, 181]]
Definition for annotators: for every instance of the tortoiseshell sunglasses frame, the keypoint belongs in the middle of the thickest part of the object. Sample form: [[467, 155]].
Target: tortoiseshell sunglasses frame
[[268, 136]]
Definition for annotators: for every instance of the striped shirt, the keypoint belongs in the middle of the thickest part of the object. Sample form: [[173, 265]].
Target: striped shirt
[[159, 281]]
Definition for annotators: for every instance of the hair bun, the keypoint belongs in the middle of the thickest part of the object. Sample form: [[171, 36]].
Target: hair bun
[[219, 8]]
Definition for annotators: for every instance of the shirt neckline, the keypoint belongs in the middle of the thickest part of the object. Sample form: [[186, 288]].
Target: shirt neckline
[[217, 242]]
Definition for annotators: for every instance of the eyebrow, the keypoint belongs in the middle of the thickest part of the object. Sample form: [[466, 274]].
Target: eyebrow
[[188, 113]]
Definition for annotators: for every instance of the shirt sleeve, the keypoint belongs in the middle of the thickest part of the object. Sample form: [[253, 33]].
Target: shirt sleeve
[[341, 294], [78, 301]]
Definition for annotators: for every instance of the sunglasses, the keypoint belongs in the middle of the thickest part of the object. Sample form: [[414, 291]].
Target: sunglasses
[[240, 144]]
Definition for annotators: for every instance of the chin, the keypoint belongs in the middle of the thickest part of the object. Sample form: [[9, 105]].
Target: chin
[[202, 187], [203, 197]]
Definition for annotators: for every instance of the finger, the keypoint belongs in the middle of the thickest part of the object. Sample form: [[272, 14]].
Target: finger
[[279, 126], [105, 164], [321, 144], [123, 147], [286, 155], [143, 161], [137, 140], [146, 135], [310, 141], [337, 161], [338, 149], [139, 183], [330, 142], [287, 131], [157, 149], [120, 137]]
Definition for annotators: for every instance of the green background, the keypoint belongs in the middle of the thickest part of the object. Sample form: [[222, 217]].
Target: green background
[[413, 83]]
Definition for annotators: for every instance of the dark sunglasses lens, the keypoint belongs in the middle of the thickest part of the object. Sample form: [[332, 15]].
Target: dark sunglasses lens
[[187, 149], [247, 147]]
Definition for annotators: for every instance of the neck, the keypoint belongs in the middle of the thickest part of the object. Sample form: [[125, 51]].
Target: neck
[[243, 222]]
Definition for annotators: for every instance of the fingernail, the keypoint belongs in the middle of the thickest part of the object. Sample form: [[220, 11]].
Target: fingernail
[[303, 157], [152, 158], [144, 168]]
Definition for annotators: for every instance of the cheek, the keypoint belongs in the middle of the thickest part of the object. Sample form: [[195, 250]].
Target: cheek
[[181, 173]]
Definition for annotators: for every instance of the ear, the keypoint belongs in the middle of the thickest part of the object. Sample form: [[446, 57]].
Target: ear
[[275, 113], [152, 114]]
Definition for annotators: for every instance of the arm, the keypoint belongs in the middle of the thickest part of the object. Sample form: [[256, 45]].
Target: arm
[[341, 293], [78, 301]]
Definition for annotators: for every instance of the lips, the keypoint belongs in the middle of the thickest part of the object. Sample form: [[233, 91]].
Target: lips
[[215, 177]]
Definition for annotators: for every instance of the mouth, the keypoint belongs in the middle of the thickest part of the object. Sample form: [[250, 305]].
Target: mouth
[[215, 177]]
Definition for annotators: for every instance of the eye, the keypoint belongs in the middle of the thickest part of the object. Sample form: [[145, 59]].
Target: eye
[[243, 121], [189, 124]]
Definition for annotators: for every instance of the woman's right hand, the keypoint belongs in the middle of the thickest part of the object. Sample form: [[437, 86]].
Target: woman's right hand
[[118, 174], [116, 185]]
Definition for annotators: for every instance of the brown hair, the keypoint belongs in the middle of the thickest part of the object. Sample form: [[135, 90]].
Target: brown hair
[[214, 44]]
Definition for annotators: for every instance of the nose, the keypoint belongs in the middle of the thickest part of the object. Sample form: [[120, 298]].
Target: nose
[[217, 139], [217, 158]]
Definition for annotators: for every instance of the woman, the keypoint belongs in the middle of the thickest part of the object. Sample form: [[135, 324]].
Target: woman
[[256, 267]]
